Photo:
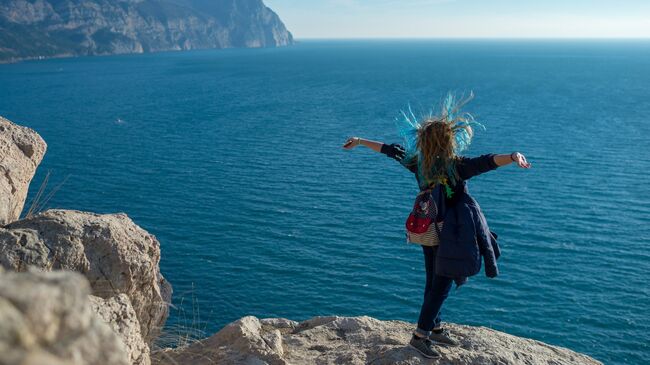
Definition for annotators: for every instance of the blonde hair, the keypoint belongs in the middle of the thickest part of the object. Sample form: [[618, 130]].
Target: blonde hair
[[436, 142]]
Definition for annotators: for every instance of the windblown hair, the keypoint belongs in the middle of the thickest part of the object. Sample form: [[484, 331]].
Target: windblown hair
[[438, 141]]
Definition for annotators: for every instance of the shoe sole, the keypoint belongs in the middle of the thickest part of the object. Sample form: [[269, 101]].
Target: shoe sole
[[423, 354]]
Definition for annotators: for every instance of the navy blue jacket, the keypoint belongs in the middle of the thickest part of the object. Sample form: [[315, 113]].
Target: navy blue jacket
[[465, 237]]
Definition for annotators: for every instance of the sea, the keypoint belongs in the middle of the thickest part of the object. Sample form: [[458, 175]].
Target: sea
[[233, 160]]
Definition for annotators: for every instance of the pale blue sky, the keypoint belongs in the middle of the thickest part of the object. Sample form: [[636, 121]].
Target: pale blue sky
[[465, 18]]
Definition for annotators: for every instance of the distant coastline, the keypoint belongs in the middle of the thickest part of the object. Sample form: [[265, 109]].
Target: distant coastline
[[69, 55], [51, 29], [298, 41]]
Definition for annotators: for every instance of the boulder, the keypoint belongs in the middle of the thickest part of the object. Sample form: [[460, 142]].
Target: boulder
[[112, 252], [120, 316], [357, 340], [22, 150], [46, 318]]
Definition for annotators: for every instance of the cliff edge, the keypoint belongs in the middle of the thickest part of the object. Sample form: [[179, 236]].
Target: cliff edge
[[357, 341]]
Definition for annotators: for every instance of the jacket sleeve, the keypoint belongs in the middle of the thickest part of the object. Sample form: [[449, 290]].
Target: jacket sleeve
[[489, 258], [396, 152], [495, 245], [487, 245], [470, 167]]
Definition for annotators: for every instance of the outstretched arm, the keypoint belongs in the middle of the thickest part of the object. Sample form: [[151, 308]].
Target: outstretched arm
[[502, 160], [470, 167], [394, 151], [356, 141]]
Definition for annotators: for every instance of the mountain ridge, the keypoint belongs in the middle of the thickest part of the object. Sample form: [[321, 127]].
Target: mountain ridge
[[62, 28]]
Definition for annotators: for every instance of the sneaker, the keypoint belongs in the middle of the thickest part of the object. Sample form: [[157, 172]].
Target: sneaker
[[442, 338], [424, 346]]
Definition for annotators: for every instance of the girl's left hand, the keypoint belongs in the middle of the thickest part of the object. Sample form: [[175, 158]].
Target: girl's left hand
[[520, 160]]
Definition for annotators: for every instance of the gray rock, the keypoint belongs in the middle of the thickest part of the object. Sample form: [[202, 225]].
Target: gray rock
[[46, 318], [120, 316], [115, 255], [358, 340], [21, 150]]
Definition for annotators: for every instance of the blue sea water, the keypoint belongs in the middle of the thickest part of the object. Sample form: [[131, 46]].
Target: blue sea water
[[233, 160]]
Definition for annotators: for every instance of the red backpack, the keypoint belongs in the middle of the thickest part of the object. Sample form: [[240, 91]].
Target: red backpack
[[421, 227]]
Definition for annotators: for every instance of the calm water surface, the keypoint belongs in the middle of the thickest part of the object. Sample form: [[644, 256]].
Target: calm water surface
[[232, 159]]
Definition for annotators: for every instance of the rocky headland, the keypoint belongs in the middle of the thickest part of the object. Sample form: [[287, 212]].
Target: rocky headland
[[81, 288], [62, 28]]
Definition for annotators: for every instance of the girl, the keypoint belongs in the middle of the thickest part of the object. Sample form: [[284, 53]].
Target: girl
[[431, 151]]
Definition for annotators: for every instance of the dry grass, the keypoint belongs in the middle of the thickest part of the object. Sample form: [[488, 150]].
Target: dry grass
[[188, 329], [40, 200]]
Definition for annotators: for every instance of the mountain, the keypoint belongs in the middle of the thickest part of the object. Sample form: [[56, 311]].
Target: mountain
[[60, 28]]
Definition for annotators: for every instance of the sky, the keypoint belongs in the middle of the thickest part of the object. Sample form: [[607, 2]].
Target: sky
[[465, 18]]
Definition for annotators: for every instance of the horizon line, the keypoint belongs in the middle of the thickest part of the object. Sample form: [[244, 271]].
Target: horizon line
[[642, 38]]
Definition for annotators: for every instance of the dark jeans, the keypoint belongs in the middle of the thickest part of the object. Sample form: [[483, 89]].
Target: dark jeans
[[435, 292]]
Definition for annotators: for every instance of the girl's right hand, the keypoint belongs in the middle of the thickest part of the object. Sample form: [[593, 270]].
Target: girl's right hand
[[351, 143]]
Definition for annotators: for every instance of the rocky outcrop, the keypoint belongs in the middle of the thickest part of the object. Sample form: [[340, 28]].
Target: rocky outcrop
[[358, 340], [21, 150], [120, 316], [55, 28], [50, 318], [46, 319], [113, 253]]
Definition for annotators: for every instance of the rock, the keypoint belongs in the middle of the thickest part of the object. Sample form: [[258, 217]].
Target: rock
[[46, 319], [120, 316], [115, 255], [22, 150], [357, 340]]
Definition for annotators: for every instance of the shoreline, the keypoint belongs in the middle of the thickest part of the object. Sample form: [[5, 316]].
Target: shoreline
[[70, 55]]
